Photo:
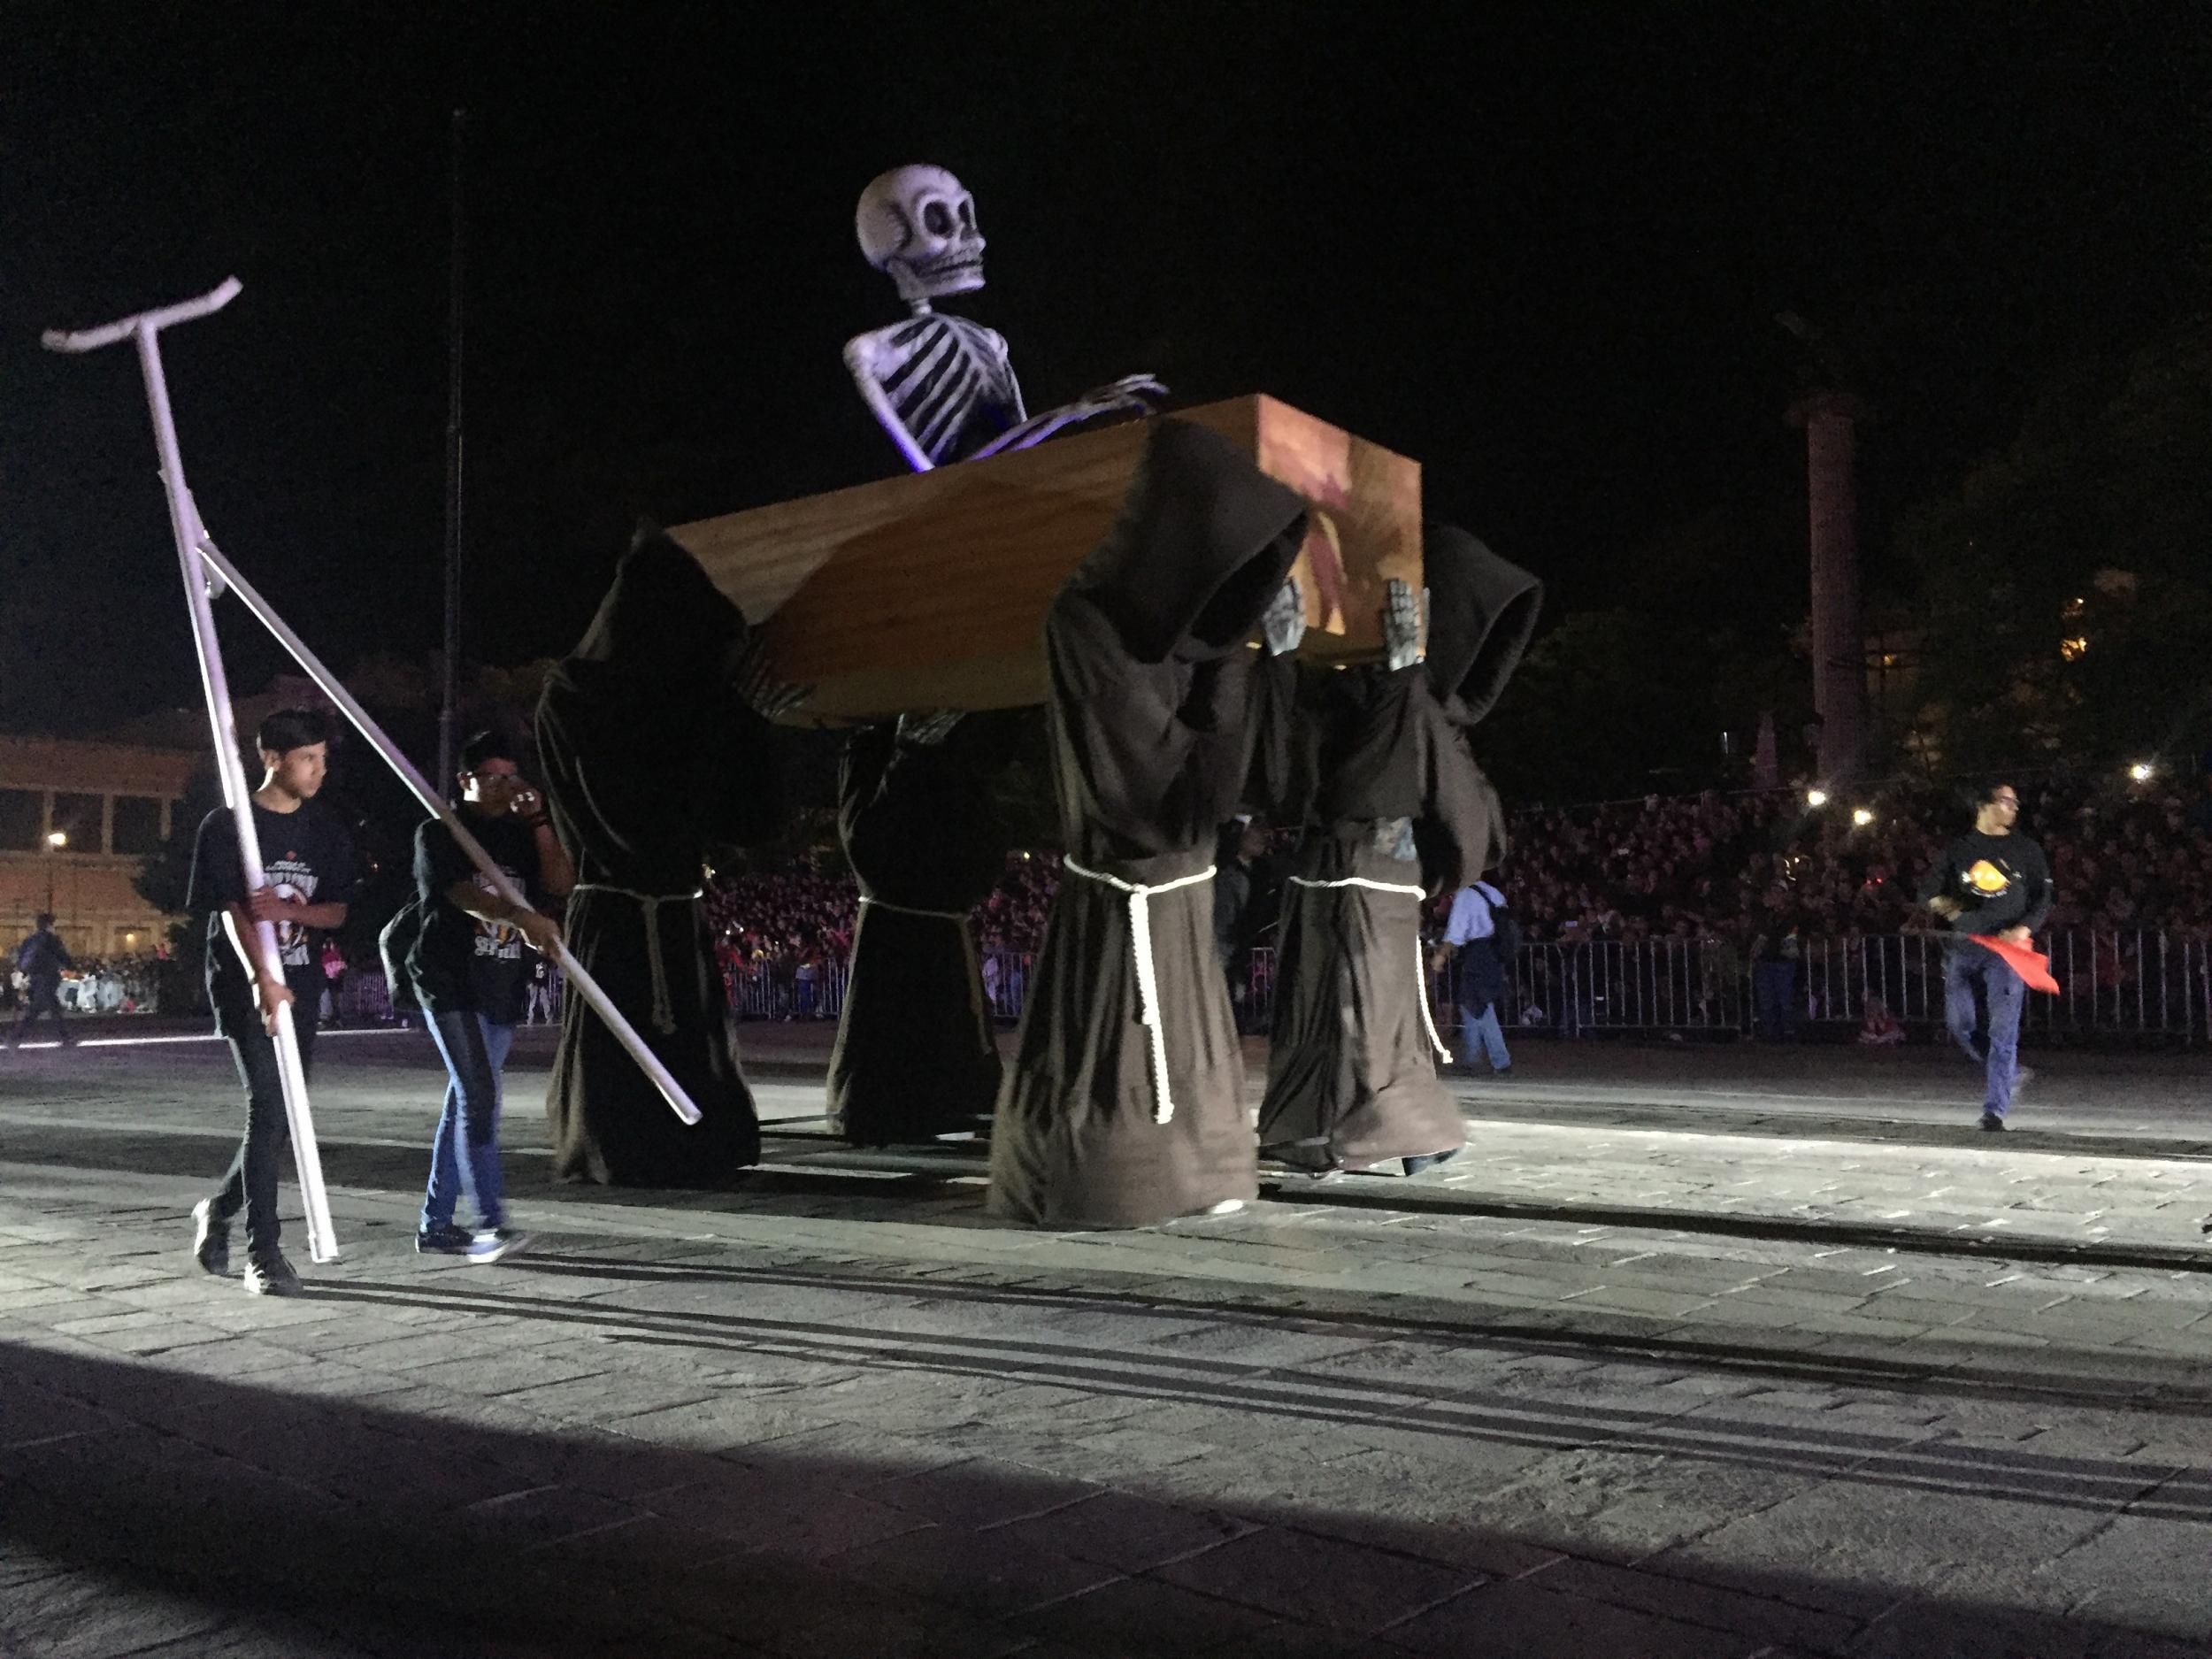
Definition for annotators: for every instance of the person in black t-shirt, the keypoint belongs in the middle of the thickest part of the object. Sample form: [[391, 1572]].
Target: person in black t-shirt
[[307, 856], [42, 957], [1996, 884], [469, 974]]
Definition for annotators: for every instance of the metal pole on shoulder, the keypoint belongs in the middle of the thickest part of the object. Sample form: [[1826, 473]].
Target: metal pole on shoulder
[[145, 329]]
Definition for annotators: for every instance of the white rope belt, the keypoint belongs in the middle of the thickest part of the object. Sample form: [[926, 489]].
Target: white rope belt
[[664, 1011], [1148, 974], [1420, 962]]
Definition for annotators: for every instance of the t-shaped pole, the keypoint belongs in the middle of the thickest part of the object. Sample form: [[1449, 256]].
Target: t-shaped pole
[[145, 329]]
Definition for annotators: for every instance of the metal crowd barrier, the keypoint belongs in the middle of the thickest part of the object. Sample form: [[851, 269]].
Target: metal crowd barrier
[[2127, 984], [2139, 983]]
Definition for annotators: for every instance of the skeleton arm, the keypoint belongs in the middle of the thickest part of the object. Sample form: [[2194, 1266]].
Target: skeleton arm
[[858, 355], [1129, 392]]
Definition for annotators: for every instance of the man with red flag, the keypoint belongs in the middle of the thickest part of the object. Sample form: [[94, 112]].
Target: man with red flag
[[1994, 887]]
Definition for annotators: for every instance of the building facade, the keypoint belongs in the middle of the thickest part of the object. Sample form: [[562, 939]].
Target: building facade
[[77, 818]]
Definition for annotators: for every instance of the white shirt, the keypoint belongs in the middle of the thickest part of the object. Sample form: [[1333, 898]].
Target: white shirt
[[1471, 918]]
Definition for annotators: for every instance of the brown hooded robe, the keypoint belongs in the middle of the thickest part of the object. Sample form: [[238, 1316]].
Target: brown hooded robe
[[653, 762], [1351, 1077], [1352, 1071], [1151, 680], [916, 1056]]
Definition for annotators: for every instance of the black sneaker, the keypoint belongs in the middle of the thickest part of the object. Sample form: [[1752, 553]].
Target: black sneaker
[[494, 1244], [446, 1240], [272, 1275], [1429, 1161], [1992, 1123], [211, 1238]]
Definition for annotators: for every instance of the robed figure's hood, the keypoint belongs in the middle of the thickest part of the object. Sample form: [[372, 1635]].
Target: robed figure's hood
[[1201, 544], [662, 617], [1482, 610]]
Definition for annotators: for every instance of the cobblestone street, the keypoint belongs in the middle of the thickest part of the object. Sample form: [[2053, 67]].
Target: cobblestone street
[[1706, 1352]]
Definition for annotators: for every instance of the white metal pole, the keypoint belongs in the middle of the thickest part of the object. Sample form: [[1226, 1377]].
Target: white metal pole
[[625, 1034], [145, 329]]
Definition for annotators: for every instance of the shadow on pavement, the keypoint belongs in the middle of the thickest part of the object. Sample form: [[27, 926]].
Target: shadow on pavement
[[232, 1517]]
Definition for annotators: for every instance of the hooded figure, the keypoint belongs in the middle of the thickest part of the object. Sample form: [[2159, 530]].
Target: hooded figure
[[1482, 613], [1351, 1077], [1393, 809], [1125, 1106], [654, 763], [916, 1056]]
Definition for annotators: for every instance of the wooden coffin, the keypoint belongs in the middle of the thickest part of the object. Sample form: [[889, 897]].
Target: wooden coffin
[[929, 589]]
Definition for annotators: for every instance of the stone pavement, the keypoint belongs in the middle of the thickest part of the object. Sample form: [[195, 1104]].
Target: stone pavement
[[1712, 1353]]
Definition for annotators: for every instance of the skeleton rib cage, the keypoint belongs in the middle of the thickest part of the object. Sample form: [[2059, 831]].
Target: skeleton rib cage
[[938, 378]]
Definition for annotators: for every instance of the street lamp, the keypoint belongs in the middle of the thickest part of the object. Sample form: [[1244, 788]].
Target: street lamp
[[1815, 797], [2142, 771], [55, 840], [1861, 817]]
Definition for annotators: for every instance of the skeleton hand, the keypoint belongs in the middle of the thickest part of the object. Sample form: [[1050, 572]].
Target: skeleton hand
[[753, 673], [1285, 621], [930, 729], [1402, 623], [1129, 392]]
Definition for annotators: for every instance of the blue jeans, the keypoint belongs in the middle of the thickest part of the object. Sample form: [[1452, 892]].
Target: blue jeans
[[1774, 999], [475, 1049], [43, 997], [1981, 1004], [1482, 1030]]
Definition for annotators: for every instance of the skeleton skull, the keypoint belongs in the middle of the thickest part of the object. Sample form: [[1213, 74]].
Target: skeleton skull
[[919, 225]]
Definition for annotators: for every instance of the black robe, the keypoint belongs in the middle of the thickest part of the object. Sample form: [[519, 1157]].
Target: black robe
[[1352, 1057], [915, 1053], [1482, 611], [653, 762], [1151, 683]]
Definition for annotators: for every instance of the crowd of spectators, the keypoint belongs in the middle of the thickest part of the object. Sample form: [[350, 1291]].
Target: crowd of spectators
[[1746, 867], [97, 985], [1750, 869]]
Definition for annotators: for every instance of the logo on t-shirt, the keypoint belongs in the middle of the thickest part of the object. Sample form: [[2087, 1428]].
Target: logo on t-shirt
[[497, 940], [292, 879], [1987, 879]]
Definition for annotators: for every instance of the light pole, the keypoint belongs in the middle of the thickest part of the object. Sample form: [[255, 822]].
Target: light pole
[[55, 840]]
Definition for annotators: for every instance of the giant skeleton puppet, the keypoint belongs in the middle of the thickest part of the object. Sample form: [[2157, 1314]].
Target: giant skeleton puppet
[[916, 1057], [943, 388], [1394, 810]]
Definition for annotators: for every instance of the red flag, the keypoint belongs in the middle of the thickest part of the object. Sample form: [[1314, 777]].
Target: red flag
[[2033, 966]]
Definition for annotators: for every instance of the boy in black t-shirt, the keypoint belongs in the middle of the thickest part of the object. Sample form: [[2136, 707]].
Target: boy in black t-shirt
[[307, 856], [473, 980], [1996, 884]]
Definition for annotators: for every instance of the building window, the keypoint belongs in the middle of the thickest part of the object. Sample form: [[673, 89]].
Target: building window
[[78, 817], [137, 824], [22, 815]]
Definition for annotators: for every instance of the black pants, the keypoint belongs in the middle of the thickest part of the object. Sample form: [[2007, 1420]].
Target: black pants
[[44, 996], [251, 1184]]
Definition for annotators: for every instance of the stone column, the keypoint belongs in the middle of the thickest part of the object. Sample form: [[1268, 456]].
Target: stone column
[[1831, 420]]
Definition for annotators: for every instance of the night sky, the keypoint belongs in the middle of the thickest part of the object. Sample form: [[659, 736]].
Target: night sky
[[1540, 248]]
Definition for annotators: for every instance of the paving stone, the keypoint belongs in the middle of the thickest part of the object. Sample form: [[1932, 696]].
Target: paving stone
[[1140, 1616], [992, 1575], [1129, 1533], [1512, 1620], [980, 1493], [1310, 1579]]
